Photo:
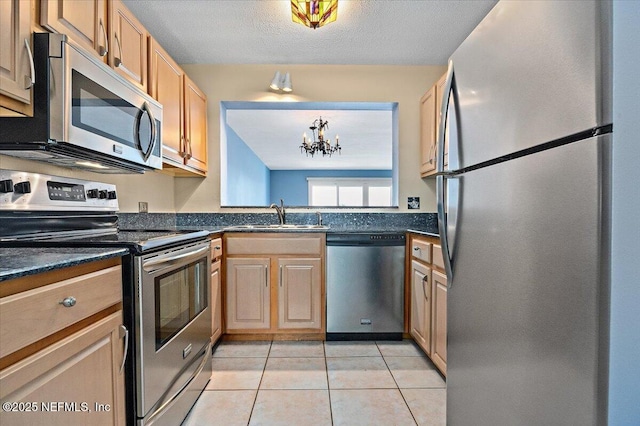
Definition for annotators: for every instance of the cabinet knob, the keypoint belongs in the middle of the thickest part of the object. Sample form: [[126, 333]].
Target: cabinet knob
[[68, 302]]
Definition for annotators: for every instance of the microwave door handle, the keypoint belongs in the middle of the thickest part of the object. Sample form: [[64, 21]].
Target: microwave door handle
[[29, 80], [151, 265], [146, 154]]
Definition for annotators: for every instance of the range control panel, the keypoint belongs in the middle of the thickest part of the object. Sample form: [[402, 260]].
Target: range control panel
[[36, 191]]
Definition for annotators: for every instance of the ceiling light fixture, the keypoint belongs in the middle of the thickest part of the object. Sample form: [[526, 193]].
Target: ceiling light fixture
[[281, 82], [314, 13], [318, 143]]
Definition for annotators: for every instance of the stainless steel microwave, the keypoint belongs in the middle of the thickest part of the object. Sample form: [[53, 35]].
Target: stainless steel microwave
[[85, 115]]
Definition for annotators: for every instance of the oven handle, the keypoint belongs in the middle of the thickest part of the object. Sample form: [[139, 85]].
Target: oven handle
[[154, 264]]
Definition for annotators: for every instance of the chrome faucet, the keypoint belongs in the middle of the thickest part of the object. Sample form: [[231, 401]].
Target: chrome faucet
[[279, 210], [319, 216]]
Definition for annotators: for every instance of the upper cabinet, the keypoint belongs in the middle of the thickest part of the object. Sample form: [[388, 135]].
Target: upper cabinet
[[85, 22], [430, 105], [195, 104], [184, 114], [128, 44], [16, 60]]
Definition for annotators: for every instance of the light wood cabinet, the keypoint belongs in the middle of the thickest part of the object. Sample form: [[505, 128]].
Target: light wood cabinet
[[428, 132], [128, 44], [274, 285], [85, 22], [248, 294], [195, 107], [216, 289], [82, 371], [428, 299], [439, 320], [299, 293], [184, 114], [68, 357], [430, 105], [420, 322], [15, 62]]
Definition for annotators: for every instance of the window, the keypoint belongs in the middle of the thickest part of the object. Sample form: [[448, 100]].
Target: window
[[350, 192]]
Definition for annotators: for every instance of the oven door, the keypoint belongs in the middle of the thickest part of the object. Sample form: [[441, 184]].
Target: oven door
[[173, 322]]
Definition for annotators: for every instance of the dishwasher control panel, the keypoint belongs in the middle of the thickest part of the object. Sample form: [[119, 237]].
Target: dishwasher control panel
[[357, 238]]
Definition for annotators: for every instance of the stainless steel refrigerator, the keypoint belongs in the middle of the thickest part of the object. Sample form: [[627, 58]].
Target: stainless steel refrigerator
[[524, 215]]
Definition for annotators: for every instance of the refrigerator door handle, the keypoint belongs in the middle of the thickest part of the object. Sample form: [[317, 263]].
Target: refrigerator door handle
[[452, 209]]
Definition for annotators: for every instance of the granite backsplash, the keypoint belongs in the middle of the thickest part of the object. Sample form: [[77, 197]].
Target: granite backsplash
[[427, 222]]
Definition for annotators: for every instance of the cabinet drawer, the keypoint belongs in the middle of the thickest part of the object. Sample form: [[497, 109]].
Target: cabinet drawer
[[29, 316], [438, 261], [216, 248], [274, 245], [421, 250]]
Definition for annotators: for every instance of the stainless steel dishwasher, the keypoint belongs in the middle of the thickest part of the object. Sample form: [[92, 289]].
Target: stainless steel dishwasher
[[365, 286]]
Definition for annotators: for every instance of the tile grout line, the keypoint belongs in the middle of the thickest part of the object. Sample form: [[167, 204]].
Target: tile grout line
[[326, 372], [260, 383], [398, 387]]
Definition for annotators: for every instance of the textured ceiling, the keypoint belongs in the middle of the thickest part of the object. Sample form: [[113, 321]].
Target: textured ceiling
[[275, 137], [367, 32]]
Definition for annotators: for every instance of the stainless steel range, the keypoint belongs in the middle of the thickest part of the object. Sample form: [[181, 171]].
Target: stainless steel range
[[165, 284]]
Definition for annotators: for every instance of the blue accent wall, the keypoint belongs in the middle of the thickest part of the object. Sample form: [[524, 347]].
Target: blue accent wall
[[249, 183], [292, 186], [624, 354]]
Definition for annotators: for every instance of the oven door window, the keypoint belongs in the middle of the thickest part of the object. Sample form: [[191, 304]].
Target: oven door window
[[179, 297]]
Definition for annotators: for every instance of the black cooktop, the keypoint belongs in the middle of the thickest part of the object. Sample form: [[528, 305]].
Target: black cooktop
[[137, 241]]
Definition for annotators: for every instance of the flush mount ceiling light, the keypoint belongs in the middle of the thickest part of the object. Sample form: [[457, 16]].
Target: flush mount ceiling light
[[314, 13], [318, 143], [281, 82]]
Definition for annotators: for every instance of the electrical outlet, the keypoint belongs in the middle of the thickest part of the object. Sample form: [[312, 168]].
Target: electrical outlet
[[143, 207]]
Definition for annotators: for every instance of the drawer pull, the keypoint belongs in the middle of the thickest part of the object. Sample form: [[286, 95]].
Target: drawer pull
[[68, 302], [417, 249], [217, 247]]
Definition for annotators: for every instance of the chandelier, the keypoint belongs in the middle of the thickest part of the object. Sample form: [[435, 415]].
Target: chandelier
[[314, 13], [318, 143]]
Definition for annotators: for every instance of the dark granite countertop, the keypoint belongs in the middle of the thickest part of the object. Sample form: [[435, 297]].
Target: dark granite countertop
[[332, 229], [19, 262]]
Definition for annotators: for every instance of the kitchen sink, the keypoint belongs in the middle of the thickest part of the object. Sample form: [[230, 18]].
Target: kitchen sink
[[277, 227]]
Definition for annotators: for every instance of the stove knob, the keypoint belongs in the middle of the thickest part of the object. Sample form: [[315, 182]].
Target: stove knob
[[92, 193], [111, 195], [102, 194], [22, 187], [6, 186]]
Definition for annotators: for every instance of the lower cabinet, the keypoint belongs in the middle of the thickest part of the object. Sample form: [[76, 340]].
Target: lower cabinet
[[420, 322], [62, 347], [428, 284], [248, 294], [216, 302], [299, 293], [74, 381], [439, 320], [274, 285]]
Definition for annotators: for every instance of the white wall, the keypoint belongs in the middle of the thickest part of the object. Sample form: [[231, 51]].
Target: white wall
[[624, 376]]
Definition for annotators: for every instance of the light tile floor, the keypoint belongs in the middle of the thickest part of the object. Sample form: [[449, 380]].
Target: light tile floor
[[321, 383]]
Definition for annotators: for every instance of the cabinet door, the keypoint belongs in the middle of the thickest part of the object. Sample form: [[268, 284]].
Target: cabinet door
[[81, 371], [420, 322], [439, 321], [128, 45], [248, 294], [299, 293], [439, 94], [428, 132], [216, 302], [85, 22], [166, 85], [195, 105], [15, 71]]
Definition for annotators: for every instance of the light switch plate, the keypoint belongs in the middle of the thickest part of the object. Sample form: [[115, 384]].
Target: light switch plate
[[143, 207]]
